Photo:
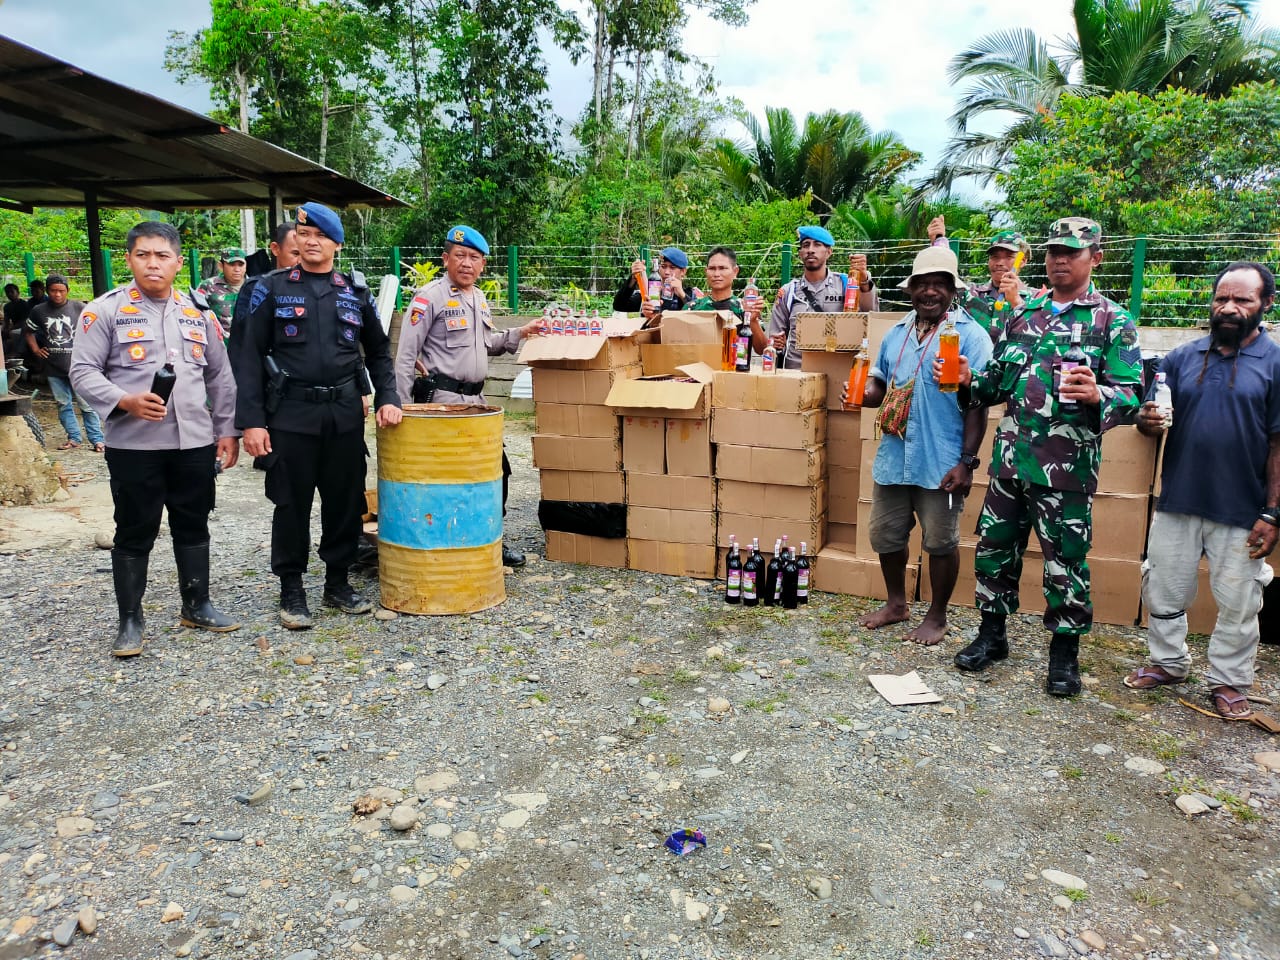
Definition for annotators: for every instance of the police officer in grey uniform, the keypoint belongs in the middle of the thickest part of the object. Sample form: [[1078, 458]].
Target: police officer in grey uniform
[[160, 455], [447, 335], [819, 290], [300, 375]]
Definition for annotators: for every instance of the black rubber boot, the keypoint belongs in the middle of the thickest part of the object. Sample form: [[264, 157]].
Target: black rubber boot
[[193, 584], [130, 575], [990, 645], [339, 593], [512, 558], [293, 604], [1064, 668]]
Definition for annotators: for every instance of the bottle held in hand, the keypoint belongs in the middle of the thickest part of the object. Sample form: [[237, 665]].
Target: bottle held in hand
[[162, 383], [1164, 399], [1075, 358]]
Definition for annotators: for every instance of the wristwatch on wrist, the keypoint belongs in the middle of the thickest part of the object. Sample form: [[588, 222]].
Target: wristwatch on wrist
[[971, 461], [868, 286], [1271, 515]]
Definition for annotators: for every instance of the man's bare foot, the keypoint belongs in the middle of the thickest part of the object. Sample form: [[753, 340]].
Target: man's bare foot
[[929, 633], [889, 613]]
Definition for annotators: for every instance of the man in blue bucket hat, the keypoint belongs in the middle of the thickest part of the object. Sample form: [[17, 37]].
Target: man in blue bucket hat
[[447, 336], [311, 332]]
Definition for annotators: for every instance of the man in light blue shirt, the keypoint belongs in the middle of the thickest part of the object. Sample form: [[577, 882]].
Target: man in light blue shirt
[[923, 468]]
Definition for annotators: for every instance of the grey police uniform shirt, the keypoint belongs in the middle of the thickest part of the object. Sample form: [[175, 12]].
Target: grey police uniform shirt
[[791, 302], [452, 332], [124, 337]]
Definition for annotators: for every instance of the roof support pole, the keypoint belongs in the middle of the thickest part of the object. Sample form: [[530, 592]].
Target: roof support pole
[[275, 212], [93, 226]]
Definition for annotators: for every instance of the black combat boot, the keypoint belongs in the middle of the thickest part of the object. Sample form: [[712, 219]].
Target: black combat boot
[[293, 603], [1064, 669], [193, 584], [130, 575], [339, 593], [990, 645], [511, 557]]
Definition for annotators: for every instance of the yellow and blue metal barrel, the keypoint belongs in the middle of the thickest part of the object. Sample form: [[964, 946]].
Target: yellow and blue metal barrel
[[440, 510]]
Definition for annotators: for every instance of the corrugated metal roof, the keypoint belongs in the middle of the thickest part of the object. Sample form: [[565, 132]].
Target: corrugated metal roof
[[65, 132]]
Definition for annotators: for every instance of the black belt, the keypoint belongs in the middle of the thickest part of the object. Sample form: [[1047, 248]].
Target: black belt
[[312, 393], [441, 382]]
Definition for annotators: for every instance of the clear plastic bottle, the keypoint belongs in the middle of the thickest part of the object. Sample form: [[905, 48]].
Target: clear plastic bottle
[[1164, 399]]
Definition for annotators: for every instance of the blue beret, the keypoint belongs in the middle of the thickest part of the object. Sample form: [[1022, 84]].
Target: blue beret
[[312, 214], [466, 236], [676, 257], [816, 233]]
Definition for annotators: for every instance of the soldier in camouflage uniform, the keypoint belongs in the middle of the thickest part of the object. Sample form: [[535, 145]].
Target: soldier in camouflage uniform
[[1044, 467], [222, 289], [992, 303]]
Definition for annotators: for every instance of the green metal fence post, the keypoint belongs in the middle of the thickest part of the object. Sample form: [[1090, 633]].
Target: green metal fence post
[[954, 244], [195, 268], [644, 255], [1135, 290], [513, 278], [395, 268], [106, 268], [29, 265], [786, 265]]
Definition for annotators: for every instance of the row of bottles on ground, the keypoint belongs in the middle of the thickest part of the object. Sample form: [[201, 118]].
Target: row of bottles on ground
[[572, 323], [783, 581]]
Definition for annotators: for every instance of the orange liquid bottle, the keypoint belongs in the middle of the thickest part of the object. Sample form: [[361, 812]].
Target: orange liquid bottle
[[642, 283], [949, 354], [856, 388]]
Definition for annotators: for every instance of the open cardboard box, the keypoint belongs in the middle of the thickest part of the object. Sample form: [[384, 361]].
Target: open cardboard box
[[684, 337], [673, 397]]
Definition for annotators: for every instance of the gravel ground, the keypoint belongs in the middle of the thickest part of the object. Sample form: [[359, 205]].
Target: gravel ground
[[526, 763]]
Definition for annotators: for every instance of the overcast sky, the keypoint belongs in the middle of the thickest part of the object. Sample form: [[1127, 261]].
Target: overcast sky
[[887, 60]]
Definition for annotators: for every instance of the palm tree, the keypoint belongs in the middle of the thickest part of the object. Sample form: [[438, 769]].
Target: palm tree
[[1204, 46], [833, 158]]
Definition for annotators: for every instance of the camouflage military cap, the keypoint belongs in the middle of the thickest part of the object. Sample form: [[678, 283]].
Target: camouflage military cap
[[1009, 240], [1079, 233]]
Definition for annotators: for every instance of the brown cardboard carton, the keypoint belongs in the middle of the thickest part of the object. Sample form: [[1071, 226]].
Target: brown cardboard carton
[[577, 419], [785, 391], [577, 386], [689, 448], [863, 537], [844, 439], [771, 500], [842, 494], [846, 533], [653, 490], [768, 529], [666, 359], [596, 551], [839, 570], [834, 366], [585, 454], [1128, 461], [878, 324], [685, 397], [771, 465], [667, 525], [695, 326], [867, 422], [1120, 522], [866, 479], [644, 444], [579, 353], [830, 332], [674, 559], [583, 487], [791, 431]]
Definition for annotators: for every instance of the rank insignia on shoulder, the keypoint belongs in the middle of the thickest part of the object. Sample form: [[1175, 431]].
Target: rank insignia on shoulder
[[135, 294]]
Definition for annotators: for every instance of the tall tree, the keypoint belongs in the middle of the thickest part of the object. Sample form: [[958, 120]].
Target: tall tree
[[834, 157], [1206, 46]]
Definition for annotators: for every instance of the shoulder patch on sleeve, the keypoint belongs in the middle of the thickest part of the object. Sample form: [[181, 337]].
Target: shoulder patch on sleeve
[[259, 294]]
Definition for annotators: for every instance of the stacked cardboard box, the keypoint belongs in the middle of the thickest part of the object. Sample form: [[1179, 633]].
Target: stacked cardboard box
[[770, 432], [578, 444]]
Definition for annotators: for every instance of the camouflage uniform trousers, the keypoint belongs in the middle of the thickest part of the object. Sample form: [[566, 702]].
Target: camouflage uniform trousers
[[1063, 521]]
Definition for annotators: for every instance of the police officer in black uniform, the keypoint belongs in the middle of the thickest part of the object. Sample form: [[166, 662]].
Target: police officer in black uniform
[[300, 384]]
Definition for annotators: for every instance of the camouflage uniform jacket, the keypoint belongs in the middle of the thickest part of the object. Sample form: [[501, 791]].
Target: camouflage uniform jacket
[[979, 302], [222, 298], [706, 302], [1038, 441]]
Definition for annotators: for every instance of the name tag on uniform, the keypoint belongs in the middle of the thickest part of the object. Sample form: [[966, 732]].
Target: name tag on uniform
[[456, 323]]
